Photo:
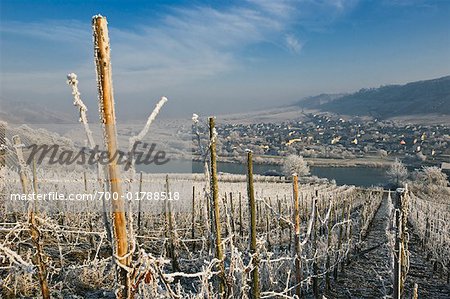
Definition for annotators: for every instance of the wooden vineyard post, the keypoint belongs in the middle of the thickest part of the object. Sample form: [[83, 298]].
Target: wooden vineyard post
[[280, 234], [349, 226], [35, 186], [215, 197], [170, 230], [2, 164], [315, 236], [107, 114], [38, 260], [232, 213], [258, 212], [339, 246], [241, 229], [85, 182], [329, 238], [22, 171], [91, 224], [401, 245], [139, 218], [345, 236], [416, 291], [225, 203], [193, 219], [254, 291], [397, 250], [2, 144], [289, 212], [298, 265], [269, 244]]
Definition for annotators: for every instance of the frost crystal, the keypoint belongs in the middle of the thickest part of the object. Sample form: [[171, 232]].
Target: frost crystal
[[97, 16], [214, 135]]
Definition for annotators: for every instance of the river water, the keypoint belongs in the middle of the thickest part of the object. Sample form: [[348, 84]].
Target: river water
[[359, 176]]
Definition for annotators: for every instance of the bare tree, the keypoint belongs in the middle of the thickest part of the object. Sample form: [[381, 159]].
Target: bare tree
[[432, 176], [397, 173], [295, 164]]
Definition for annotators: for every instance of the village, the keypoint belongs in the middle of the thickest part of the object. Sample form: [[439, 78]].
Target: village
[[325, 136]]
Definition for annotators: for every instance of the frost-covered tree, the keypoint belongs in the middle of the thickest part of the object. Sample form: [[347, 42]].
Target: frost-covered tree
[[397, 173], [295, 164], [431, 176]]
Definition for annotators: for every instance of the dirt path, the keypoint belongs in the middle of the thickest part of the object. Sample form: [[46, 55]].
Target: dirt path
[[432, 284], [368, 275]]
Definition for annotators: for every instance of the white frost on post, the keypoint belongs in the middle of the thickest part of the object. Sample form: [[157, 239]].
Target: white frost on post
[[97, 16], [18, 145], [150, 120], [73, 83], [310, 224], [132, 141]]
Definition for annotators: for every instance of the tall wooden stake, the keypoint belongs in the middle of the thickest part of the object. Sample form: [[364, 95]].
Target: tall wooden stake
[[329, 239], [139, 219], [170, 230], [38, 260], [315, 236], [298, 261], [35, 186], [215, 197], [193, 218], [232, 213], [280, 234], [2, 164], [254, 293], [401, 244], [2, 144], [241, 229], [339, 246], [105, 91]]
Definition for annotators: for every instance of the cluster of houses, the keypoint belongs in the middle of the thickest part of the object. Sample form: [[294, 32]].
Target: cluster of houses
[[326, 136]]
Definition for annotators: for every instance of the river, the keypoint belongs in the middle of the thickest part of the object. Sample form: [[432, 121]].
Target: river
[[359, 176]]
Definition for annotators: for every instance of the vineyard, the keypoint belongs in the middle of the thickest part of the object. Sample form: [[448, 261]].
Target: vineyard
[[174, 251], [298, 243], [210, 235]]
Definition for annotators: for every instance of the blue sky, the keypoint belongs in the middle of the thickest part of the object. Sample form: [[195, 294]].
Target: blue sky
[[214, 57]]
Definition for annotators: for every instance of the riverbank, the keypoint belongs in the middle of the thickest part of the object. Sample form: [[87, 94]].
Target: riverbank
[[369, 162]]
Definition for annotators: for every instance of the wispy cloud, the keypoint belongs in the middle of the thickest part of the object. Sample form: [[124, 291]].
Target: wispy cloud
[[293, 43], [67, 31], [183, 45], [190, 42]]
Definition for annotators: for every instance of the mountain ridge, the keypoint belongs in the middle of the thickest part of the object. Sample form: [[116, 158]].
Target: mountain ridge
[[414, 98]]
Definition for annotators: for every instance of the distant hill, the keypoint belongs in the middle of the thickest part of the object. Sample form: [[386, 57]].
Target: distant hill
[[30, 113], [315, 102], [415, 98]]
